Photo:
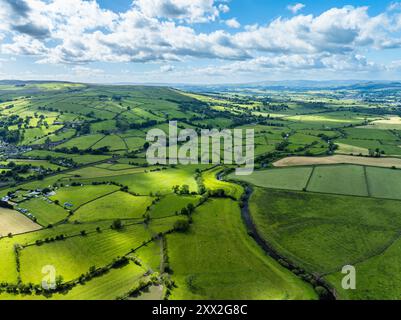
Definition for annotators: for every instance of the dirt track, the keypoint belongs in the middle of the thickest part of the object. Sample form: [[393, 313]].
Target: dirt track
[[337, 159]]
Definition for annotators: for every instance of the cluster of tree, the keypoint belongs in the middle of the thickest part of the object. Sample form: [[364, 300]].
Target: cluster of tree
[[60, 237], [142, 125], [282, 146], [182, 190], [76, 150], [4, 204], [117, 225], [376, 153], [84, 128], [182, 225], [10, 136]]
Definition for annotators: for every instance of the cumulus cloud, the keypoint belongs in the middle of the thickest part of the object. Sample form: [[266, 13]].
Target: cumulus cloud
[[167, 68], [233, 23], [79, 32], [293, 62], [82, 71], [294, 8], [193, 11]]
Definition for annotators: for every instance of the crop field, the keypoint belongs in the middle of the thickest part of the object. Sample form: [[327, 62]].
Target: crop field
[[338, 159], [15, 223], [82, 197]]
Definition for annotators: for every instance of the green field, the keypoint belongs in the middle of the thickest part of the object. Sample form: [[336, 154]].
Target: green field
[[116, 205], [171, 204], [77, 196], [384, 183], [46, 213], [341, 179], [212, 183], [323, 233], [219, 261], [344, 179], [76, 255], [145, 183], [74, 157], [291, 178]]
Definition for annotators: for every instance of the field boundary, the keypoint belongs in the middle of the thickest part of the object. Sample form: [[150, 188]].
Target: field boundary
[[365, 173], [310, 178]]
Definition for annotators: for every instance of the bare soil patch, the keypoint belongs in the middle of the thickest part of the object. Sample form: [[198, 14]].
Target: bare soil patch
[[338, 159]]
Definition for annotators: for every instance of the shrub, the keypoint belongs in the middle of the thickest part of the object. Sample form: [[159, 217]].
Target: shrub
[[181, 225]]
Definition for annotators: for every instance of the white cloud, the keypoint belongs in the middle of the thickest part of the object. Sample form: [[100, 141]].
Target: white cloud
[[82, 71], [193, 11], [294, 8], [167, 68], [233, 23], [80, 32], [224, 8]]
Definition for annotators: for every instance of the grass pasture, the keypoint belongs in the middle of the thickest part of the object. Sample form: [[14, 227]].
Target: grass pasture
[[46, 213], [212, 183], [384, 183], [74, 256], [218, 260], [114, 284], [144, 183], [82, 142], [170, 204], [77, 196], [321, 232], [286, 178], [116, 205], [341, 179]]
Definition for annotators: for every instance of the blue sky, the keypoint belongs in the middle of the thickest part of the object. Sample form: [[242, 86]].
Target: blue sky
[[199, 41]]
